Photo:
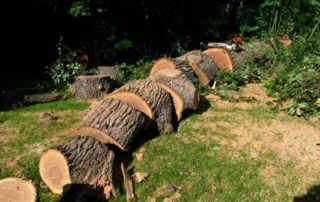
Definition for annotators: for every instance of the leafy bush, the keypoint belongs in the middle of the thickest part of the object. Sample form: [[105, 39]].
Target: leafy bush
[[65, 68]]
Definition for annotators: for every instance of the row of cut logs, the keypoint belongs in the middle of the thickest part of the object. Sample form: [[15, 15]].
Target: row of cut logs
[[114, 123]]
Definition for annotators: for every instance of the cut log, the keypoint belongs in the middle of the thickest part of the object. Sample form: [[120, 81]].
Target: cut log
[[157, 98], [90, 87], [17, 190], [134, 101], [180, 86], [32, 99], [115, 122], [81, 160], [203, 66], [166, 63], [221, 57]]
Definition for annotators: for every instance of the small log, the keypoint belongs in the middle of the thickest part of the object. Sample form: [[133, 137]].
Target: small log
[[166, 63], [90, 87], [204, 67], [17, 190], [180, 86], [115, 122], [81, 160], [157, 99], [32, 99]]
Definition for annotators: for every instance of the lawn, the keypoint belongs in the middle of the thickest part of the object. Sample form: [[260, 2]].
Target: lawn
[[219, 153]]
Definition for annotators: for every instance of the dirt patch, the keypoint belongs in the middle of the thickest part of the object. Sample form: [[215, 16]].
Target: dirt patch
[[249, 96]]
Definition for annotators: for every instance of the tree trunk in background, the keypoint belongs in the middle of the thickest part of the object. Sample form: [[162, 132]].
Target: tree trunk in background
[[91, 87]]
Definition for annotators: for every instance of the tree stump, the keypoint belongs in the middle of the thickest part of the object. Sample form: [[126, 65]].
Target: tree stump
[[81, 160], [204, 67], [115, 122], [165, 63], [17, 190], [180, 87], [90, 87], [157, 98], [110, 71]]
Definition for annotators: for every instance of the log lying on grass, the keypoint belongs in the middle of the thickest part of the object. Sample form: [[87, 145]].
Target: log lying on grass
[[113, 121], [81, 160], [157, 99], [256, 51], [165, 63], [204, 67], [90, 87], [17, 190], [183, 92]]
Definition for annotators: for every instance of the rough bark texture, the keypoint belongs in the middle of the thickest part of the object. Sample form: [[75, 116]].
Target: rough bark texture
[[115, 121], [179, 83], [203, 66], [88, 161], [90, 87], [17, 190], [110, 71], [158, 99], [185, 68]]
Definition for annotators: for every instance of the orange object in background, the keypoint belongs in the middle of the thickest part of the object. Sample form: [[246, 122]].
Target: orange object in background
[[285, 41], [237, 40]]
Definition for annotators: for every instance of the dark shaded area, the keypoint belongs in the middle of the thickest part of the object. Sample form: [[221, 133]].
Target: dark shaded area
[[313, 195], [82, 193]]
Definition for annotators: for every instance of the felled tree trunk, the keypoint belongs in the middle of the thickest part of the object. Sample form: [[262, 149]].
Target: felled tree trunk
[[256, 51], [157, 98], [166, 63], [202, 65], [15, 189], [90, 87], [81, 160], [115, 122], [180, 87]]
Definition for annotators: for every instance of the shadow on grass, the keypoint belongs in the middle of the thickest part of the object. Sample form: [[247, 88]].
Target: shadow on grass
[[82, 193], [313, 195]]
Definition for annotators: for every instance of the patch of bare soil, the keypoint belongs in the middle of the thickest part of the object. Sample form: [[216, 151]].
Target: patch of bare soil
[[252, 92]]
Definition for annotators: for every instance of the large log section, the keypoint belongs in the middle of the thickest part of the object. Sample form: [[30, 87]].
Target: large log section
[[113, 121], [17, 190], [204, 67], [156, 98], [184, 93], [80, 160]]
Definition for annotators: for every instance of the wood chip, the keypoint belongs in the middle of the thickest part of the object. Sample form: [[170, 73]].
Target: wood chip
[[140, 176], [139, 156]]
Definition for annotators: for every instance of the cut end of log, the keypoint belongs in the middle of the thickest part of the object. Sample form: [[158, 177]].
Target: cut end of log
[[168, 72], [177, 100], [203, 78], [18, 190], [99, 135], [54, 170], [285, 41], [162, 64], [134, 101], [221, 57]]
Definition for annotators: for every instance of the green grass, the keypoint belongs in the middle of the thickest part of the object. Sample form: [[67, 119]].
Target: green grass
[[195, 158]]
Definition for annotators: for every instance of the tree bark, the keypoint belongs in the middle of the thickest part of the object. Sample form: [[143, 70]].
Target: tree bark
[[203, 66], [110, 71], [158, 99], [180, 84], [81, 160], [165, 63], [112, 121], [15, 189], [90, 87]]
